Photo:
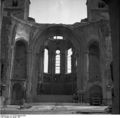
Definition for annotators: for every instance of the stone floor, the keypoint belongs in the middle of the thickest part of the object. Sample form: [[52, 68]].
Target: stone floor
[[53, 108]]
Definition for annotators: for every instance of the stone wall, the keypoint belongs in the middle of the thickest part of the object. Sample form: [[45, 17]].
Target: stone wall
[[81, 36]]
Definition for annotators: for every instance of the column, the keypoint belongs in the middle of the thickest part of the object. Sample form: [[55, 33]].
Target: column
[[29, 76], [41, 64], [115, 30], [50, 62], [1, 15], [62, 62], [53, 62], [10, 75], [35, 75], [73, 62], [78, 71]]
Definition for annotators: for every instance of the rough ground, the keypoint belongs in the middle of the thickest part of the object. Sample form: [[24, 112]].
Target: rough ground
[[53, 108]]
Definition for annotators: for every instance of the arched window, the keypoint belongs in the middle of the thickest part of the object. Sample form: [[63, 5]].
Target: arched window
[[94, 49], [57, 38], [45, 60], [69, 60], [57, 62], [15, 3], [101, 5]]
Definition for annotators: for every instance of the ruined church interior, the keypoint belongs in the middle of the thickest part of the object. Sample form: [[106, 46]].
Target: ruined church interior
[[56, 63]]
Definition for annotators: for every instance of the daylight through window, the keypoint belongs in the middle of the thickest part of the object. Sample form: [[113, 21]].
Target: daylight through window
[[46, 61], [57, 62], [69, 62], [58, 37]]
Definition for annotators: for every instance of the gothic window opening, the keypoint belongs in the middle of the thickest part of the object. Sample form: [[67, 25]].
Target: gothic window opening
[[15, 3], [101, 5], [94, 50], [57, 62], [45, 60], [57, 38], [69, 60]]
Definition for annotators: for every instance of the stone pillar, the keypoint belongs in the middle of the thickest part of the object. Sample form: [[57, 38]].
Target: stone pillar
[[8, 91], [53, 63], [79, 71], [114, 9], [10, 68], [35, 76], [62, 61], [85, 69], [86, 83], [115, 33], [29, 77], [32, 70], [108, 69], [87, 66], [0, 42], [50, 62], [73, 61], [103, 77], [41, 64], [1, 16], [82, 66]]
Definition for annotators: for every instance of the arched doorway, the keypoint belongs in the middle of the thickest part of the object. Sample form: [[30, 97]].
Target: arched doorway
[[94, 62], [19, 72], [95, 95], [17, 93], [20, 60]]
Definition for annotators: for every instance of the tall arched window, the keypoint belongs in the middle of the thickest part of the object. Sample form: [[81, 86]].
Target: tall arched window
[[15, 3], [69, 60], [45, 60], [57, 62]]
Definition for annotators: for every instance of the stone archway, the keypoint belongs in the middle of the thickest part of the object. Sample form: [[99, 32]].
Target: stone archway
[[41, 38], [59, 84], [19, 71], [20, 60]]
